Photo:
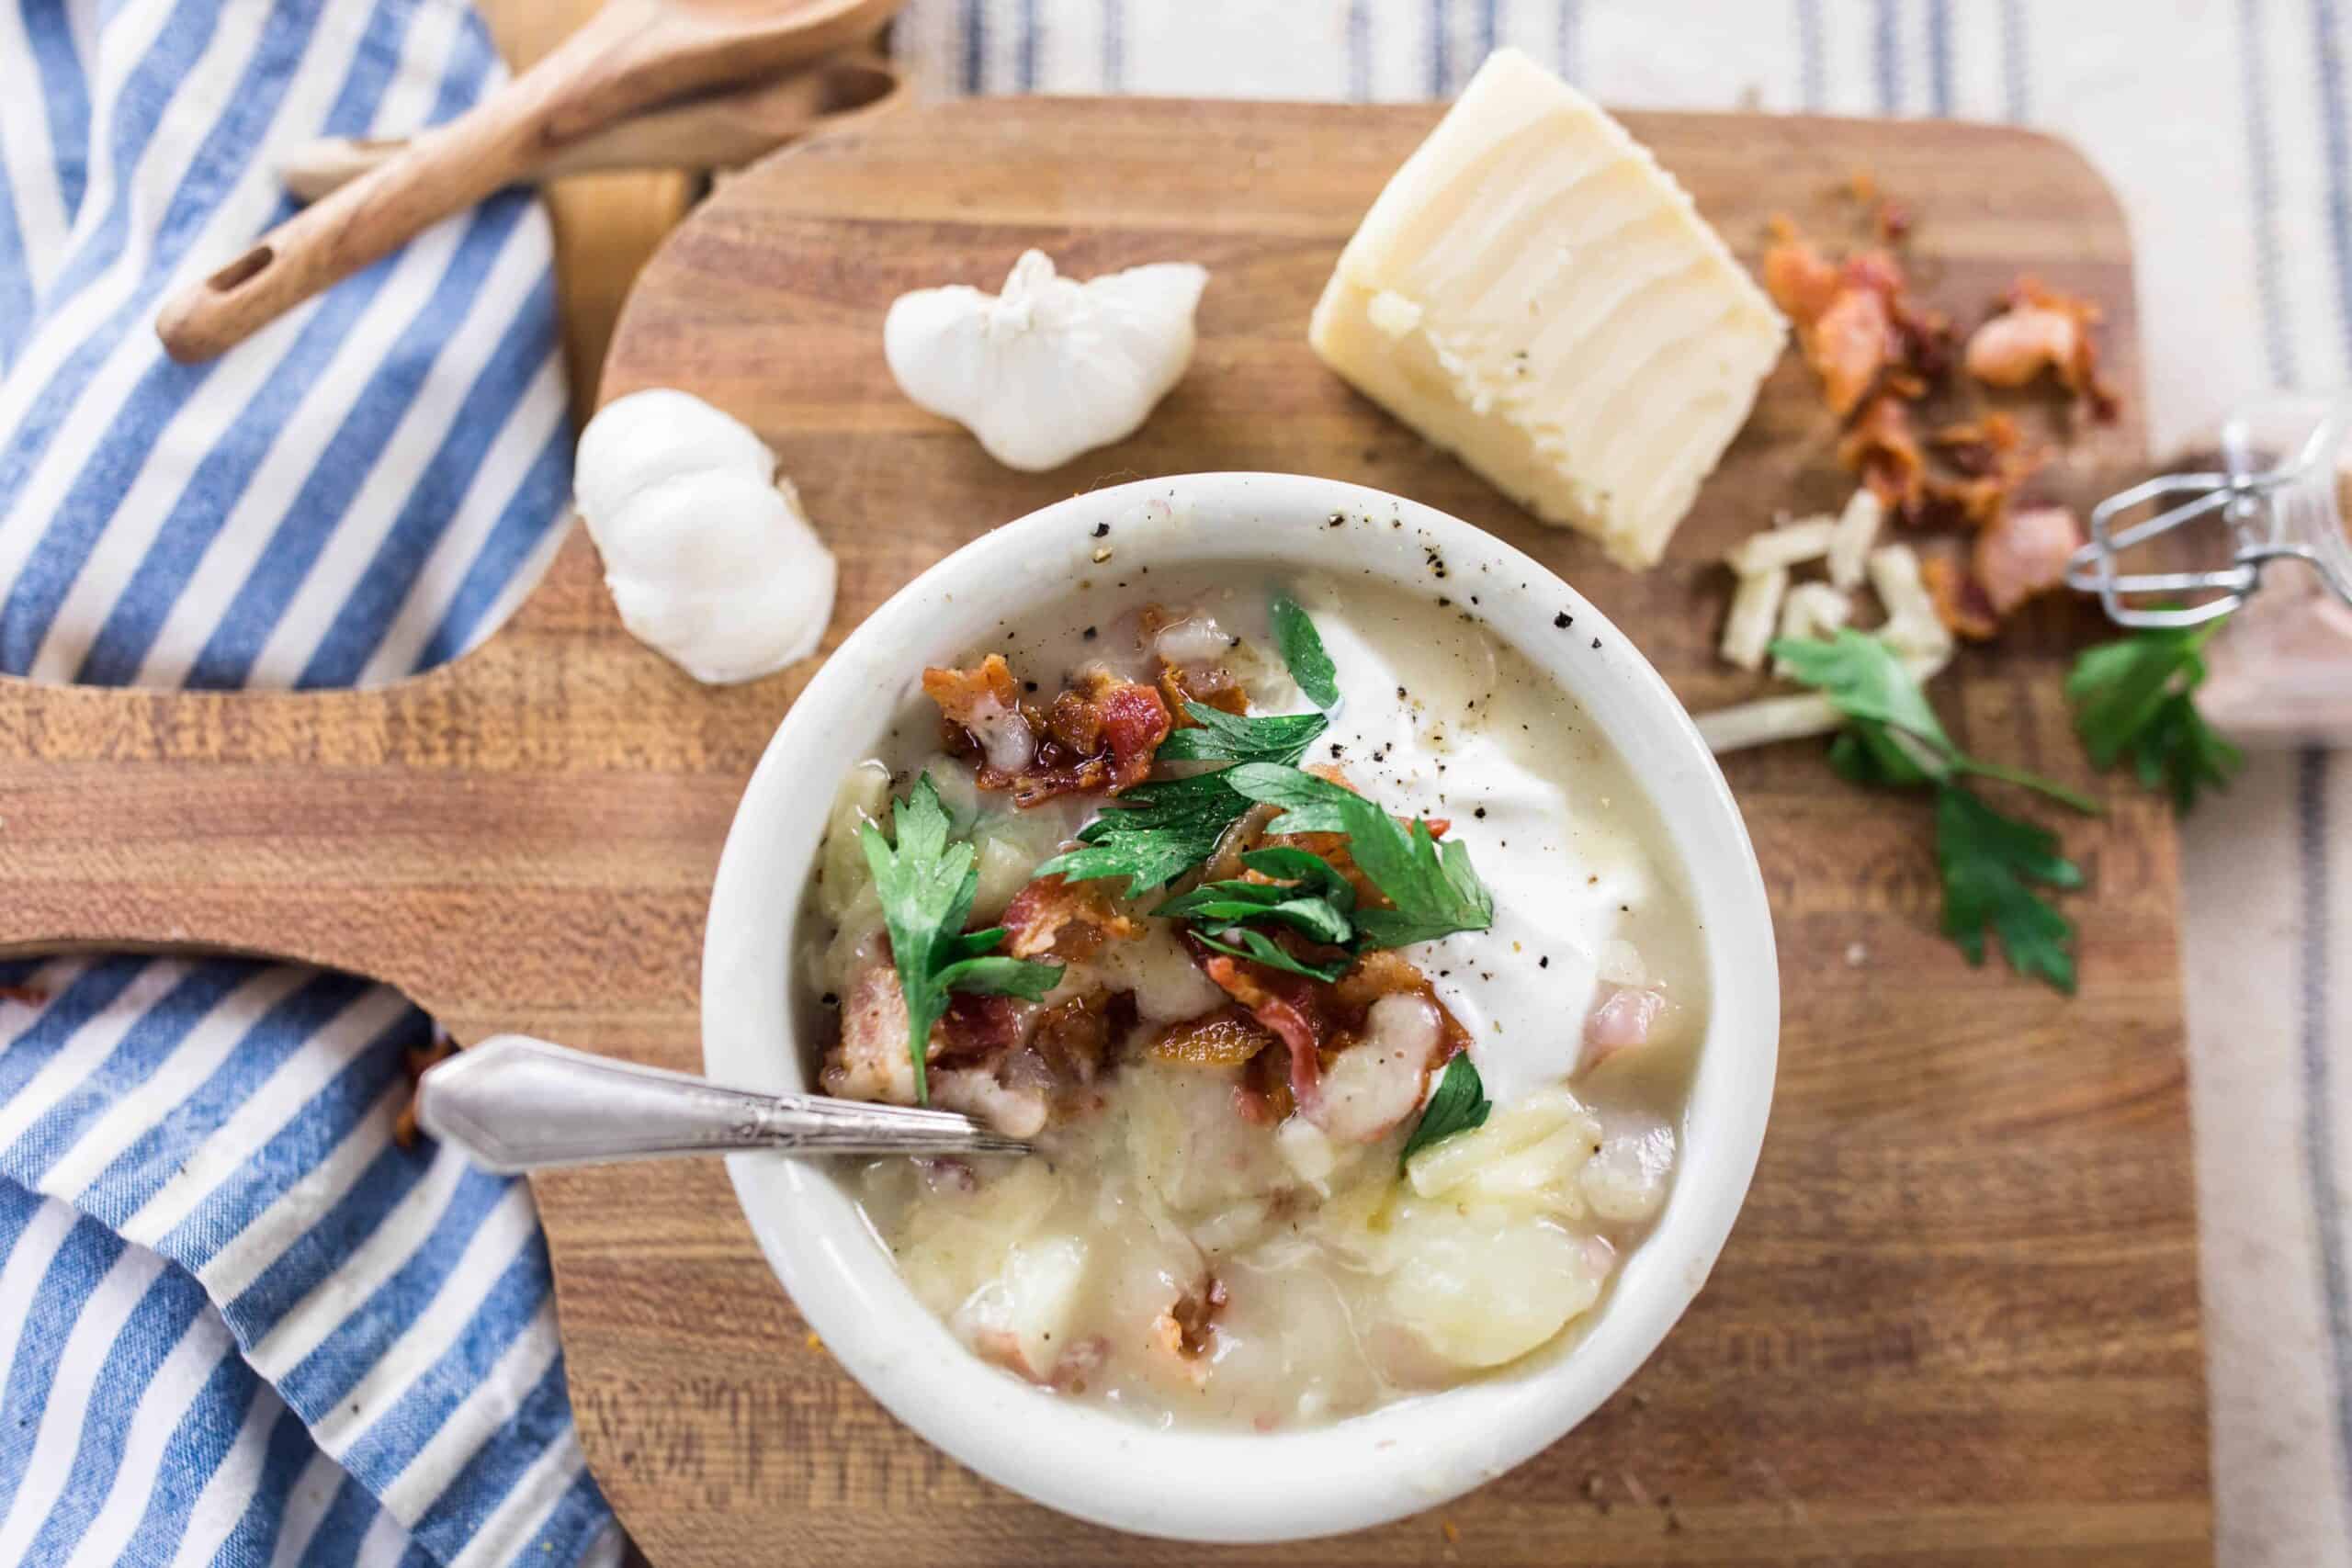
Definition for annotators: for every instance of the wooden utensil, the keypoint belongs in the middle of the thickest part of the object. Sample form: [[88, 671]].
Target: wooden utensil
[[707, 130], [1958, 1321], [630, 55]]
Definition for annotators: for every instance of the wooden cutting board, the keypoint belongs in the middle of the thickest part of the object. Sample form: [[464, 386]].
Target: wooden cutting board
[[1958, 1321]]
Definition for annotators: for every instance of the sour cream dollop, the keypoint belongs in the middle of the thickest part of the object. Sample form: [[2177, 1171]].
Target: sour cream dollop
[[1431, 723]]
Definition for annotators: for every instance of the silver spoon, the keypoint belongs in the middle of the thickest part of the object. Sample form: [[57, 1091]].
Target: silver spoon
[[515, 1104]]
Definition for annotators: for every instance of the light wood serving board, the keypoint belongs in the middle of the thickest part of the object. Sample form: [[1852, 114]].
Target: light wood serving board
[[1958, 1321]]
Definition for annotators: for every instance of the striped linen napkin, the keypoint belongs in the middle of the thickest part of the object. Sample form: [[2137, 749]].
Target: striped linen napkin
[[239, 1325], [2225, 127]]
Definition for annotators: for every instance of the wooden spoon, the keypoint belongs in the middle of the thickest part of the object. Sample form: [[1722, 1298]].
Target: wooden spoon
[[629, 56], [715, 130]]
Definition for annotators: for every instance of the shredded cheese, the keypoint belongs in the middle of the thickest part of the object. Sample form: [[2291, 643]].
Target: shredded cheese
[[1912, 628], [1788, 545], [1755, 605], [1855, 532]]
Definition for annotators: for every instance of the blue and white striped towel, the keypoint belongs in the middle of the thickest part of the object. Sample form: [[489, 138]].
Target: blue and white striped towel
[[238, 1325]]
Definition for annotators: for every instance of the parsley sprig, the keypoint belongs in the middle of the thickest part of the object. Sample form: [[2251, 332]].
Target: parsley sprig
[[1157, 831], [1433, 890], [2136, 697], [1897, 737], [1314, 900], [1991, 864], [927, 885], [1302, 653], [1459, 1105], [1988, 863], [1220, 736]]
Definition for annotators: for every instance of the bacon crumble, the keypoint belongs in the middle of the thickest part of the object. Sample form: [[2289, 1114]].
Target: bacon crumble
[[1098, 737]]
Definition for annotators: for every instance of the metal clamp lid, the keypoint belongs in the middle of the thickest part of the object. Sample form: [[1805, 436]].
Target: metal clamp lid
[[2270, 516]]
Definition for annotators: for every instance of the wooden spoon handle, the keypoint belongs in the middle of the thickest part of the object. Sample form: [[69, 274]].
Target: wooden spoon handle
[[595, 77], [705, 131]]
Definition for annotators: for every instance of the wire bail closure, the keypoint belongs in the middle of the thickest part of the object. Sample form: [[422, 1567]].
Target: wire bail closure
[[2258, 511]]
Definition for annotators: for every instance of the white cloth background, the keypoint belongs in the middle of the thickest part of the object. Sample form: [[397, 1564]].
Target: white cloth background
[[2223, 125]]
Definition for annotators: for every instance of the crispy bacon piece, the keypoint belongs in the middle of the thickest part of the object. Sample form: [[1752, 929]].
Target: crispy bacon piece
[[1072, 1038], [1882, 450], [1187, 1330], [1065, 920], [1285, 1004], [1801, 281], [2024, 552], [1318, 1022], [2041, 329], [1214, 687], [976, 1027], [1959, 598], [1992, 459], [984, 704], [1098, 737], [1848, 345], [1184, 676], [1226, 1038], [2020, 553], [1262, 1097], [1856, 322], [870, 1060]]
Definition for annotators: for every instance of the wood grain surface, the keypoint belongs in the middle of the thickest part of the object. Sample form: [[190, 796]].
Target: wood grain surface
[[1958, 1321]]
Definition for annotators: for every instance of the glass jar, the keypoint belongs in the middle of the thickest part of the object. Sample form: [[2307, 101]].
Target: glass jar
[[2260, 535]]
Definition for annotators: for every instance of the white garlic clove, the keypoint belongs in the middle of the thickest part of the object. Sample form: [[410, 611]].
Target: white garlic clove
[[1050, 368], [636, 442], [709, 555]]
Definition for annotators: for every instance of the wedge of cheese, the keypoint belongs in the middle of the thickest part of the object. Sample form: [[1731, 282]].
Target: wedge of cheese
[[1534, 294]]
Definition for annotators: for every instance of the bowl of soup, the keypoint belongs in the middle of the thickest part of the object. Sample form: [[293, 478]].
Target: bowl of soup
[[1361, 935]]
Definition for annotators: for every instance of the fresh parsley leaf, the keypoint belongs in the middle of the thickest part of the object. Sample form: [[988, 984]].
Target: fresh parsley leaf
[[1989, 863], [1153, 834], [1868, 682], [1865, 678], [1220, 736], [1312, 873], [1866, 752], [1303, 652], [1434, 891], [2178, 753], [1261, 947], [926, 884], [1459, 1105], [1318, 905], [1231, 903], [2136, 697]]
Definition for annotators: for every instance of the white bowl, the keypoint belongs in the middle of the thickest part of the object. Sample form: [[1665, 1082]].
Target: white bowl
[[1080, 1459]]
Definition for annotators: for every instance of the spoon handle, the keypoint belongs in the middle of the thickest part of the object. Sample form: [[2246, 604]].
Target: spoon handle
[[515, 1104], [707, 130], [593, 77]]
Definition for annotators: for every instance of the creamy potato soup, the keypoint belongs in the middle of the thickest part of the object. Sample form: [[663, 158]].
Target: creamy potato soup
[[1340, 975]]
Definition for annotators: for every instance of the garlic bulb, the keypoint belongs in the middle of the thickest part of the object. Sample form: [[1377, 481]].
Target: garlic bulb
[[1052, 367], [707, 551]]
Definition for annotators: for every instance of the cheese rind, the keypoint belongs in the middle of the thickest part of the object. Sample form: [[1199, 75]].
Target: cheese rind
[[1534, 293]]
